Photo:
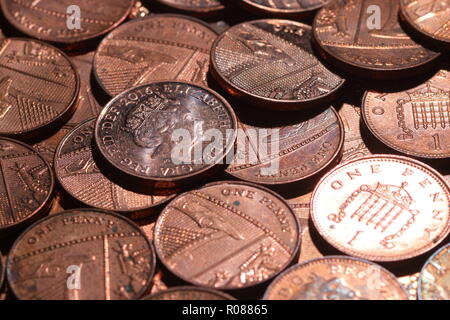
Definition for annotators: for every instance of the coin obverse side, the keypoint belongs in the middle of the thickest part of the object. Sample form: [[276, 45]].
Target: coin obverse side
[[349, 35], [282, 8], [434, 280], [155, 48], [82, 254], [415, 122], [336, 278], [227, 235], [382, 208], [189, 293], [135, 131], [38, 87], [76, 169], [50, 20], [271, 64]]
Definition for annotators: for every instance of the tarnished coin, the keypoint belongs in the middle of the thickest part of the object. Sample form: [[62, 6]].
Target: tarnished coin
[[382, 208], [56, 20], [336, 278], [410, 283], [159, 47], [152, 133], [38, 87], [429, 18], [26, 185], [201, 7], [227, 235], [434, 280], [78, 173], [271, 64], [293, 152], [282, 8], [365, 37], [82, 254], [189, 293], [416, 121]]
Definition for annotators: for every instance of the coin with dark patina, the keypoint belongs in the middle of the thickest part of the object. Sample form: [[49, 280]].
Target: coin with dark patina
[[336, 278], [382, 208], [282, 8], [227, 235], [434, 280], [162, 132], [159, 47], [56, 20], [365, 38], [82, 254], [429, 18], [416, 121], [189, 293], [38, 87], [291, 153], [76, 169], [26, 185], [201, 7], [270, 63]]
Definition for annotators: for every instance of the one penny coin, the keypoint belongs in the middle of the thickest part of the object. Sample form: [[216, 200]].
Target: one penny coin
[[159, 47], [365, 38], [82, 254], [189, 293], [76, 169], [416, 121], [282, 8], [38, 87], [200, 7], [434, 280], [271, 64], [336, 278], [227, 235], [47, 147], [382, 208], [56, 20], [26, 185], [153, 132]]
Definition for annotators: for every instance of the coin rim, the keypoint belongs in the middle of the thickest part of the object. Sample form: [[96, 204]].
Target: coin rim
[[204, 10], [216, 293], [400, 257], [262, 9]]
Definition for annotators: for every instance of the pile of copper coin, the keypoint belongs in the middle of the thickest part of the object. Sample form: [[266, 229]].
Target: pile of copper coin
[[323, 129]]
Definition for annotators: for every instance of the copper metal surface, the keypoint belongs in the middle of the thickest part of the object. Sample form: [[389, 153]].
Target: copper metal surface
[[282, 8], [189, 293], [204, 7], [434, 280], [47, 147], [410, 283]]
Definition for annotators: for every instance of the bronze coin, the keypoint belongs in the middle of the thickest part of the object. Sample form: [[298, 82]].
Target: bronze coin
[[202, 7], [76, 169], [49, 20], [350, 35], [159, 47], [303, 149], [434, 280], [47, 147], [416, 121], [382, 208], [189, 293], [282, 8], [271, 64], [82, 254], [410, 283], [158, 284], [336, 278], [26, 187], [135, 131], [2, 273], [227, 235], [429, 18], [38, 87]]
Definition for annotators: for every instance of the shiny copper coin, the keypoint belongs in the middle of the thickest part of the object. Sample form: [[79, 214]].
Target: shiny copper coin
[[416, 121], [434, 280], [159, 47], [47, 147], [38, 87], [429, 18], [227, 235], [271, 64], [350, 35], [189, 293], [282, 8], [410, 283], [336, 278], [299, 151], [203, 7], [382, 208], [76, 169], [82, 254], [53, 20], [26, 184], [134, 132]]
